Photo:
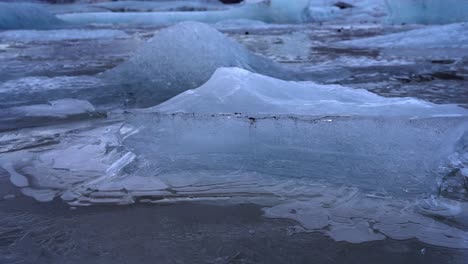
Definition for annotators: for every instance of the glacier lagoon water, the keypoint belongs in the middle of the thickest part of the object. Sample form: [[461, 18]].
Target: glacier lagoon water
[[288, 125]]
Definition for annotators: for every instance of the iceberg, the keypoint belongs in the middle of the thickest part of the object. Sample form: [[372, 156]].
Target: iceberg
[[427, 11], [272, 11], [26, 16], [180, 58], [446, 36]]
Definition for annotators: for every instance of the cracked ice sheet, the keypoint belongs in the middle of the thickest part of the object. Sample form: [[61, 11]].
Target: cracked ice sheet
[[345, 214]]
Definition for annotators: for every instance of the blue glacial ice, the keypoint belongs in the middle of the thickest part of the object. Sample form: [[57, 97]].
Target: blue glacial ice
[[27, 16]]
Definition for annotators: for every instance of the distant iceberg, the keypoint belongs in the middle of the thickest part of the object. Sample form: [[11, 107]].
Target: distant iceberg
[[427, 11], [272, 11], [439, 36], [26, 16]]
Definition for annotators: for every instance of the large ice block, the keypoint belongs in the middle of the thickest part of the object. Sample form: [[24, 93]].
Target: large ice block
[[241, 121]]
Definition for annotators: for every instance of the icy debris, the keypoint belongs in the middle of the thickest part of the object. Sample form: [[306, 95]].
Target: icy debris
[[40, 195], [427, 11], [15, 178], [234, 90], [447, 36], [9, 196], [59, 35], [183, 57], [26, 16]]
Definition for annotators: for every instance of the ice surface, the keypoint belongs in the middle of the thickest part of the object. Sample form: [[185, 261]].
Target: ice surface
[[59, 35], [279, 11], [183, 57], [234, 90], [427, 11], [447, 36], [26, 16]]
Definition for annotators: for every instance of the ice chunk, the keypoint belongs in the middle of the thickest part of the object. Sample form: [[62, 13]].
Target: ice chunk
[[279, 11], [58, 108], [32, 115], [59, 35], [183, 57], [26, 16], [234, 90], [447, 36], [427, 11]]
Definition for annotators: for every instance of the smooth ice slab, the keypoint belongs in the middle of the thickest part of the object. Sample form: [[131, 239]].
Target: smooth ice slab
[[183, 57], [402, 156], [26, 16], [427, 11]]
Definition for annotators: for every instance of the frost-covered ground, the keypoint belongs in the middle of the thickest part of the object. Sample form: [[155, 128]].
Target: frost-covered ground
[[343, 127]]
